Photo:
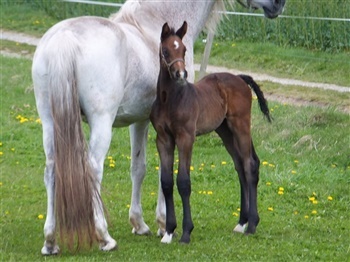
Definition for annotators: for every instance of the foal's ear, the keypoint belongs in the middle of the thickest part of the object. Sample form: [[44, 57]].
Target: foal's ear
[[182, 31], [165, 32]]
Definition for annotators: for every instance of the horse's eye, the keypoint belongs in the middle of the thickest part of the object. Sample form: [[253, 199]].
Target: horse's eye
[[165, 53]]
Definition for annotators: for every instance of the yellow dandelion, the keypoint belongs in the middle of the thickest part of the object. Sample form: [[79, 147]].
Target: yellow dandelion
[[271, 165], [176, 171], [265, 163], [268, 183], [0, 183], [314, 194], [40, 216], [314, 212], [0, 143], [202, 164], [296, 212], [315, 202], [271, 109], [212, 166], [312, 199], [296, 161], [111, 165], [238, 209], [204, 192], [329, 198], [128, 206], [200, 169], [1, 153], [233, 44], [280, 189], [306, 217], [210, 192], [191, 168], [235, 214], [294, 172], [109, 158], [153, 193], [334, 165], [12, 149], [200, 192], [223, 163], [157, 167], [7, 212], [270, 208], [280, 192], [255, 98]]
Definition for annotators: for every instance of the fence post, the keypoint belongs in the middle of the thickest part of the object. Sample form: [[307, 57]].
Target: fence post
[[205, 59]]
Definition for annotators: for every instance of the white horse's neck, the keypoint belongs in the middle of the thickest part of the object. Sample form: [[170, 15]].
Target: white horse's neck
[[149, 16]]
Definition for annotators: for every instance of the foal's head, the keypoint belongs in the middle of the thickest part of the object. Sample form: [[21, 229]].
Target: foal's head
[[172, 52]]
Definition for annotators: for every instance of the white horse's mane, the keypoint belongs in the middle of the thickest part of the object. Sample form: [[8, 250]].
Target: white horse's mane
[[132, 11]]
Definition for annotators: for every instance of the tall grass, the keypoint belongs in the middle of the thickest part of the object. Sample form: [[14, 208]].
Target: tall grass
[[323, 35]]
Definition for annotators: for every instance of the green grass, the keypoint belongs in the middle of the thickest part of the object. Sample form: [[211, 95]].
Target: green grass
[[294, 63], [305, 150]]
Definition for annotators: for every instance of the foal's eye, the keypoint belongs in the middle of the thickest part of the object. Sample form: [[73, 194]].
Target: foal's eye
[[165, 53]]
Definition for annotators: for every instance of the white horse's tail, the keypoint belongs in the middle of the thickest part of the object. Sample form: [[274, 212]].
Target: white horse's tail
[[75, 189]]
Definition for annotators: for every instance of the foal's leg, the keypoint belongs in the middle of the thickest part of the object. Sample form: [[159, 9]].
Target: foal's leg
[[248, 169], [100, 139], [161, 210], [166, 147], [138, 139], [184, 143], [227, 137]]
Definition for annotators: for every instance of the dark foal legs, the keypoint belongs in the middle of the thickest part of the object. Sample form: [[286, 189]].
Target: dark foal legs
[[238, 144], [185, 146], [166, 147]]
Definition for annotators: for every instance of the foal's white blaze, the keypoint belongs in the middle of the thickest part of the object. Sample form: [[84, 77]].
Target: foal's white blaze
[[240, 229], [176, 44], [167, 238]]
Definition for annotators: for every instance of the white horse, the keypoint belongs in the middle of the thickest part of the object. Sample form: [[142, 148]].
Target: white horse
[[105, 70]]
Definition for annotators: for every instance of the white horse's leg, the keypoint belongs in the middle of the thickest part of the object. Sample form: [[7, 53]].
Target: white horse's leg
[[138, 140], [161, 210], [50, 247], [100, 139]]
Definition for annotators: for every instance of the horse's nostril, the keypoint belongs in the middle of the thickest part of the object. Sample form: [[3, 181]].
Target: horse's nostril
[[178, 74]]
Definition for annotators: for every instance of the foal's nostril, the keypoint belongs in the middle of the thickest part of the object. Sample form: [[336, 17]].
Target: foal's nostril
[[178, 74]]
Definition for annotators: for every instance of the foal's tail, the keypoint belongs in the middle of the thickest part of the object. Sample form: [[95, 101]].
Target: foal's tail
[[261, 99], [75, 188]]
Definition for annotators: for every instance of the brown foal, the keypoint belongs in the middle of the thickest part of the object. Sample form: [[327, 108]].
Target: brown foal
[[219, 102]]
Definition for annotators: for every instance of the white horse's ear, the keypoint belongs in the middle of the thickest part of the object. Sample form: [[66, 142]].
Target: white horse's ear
[[182, 31], [165, 32]]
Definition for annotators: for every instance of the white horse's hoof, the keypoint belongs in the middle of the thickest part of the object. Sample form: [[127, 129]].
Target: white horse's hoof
[[240, 229], [167, 238], [142, 231], [109, 246], [50, 250], [160, 232]]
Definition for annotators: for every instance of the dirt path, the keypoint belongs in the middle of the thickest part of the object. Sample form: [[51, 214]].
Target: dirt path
[[30, 40]]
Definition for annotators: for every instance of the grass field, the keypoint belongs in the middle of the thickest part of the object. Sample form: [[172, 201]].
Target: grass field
[[303, 190], [304, 176]]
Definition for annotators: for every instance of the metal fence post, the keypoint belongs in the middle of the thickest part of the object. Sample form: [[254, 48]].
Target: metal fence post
[[205, 59]]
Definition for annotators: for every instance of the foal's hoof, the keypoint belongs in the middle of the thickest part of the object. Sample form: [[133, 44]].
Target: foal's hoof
[[240, 229], [167, 238], [108, 246], [48, 250]]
